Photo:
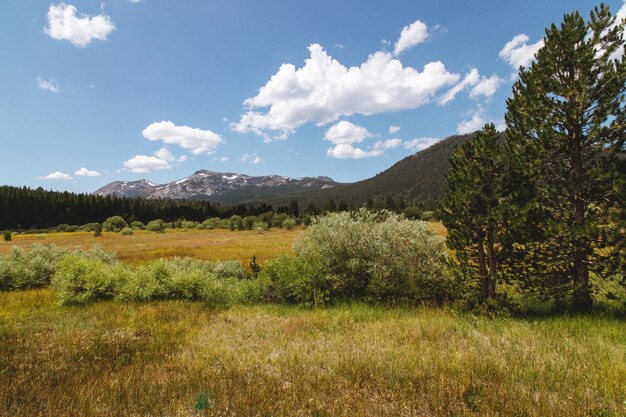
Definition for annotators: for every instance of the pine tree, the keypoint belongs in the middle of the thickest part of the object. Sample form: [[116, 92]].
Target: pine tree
[[565, 124], [471, 208]]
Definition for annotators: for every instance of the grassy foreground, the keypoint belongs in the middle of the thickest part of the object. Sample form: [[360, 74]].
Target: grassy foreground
[[178, 358]]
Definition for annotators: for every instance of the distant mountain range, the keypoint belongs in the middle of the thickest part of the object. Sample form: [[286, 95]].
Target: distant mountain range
[[416, 178], [223, 187]]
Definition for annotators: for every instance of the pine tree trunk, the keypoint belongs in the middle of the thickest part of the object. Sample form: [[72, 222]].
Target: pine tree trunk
[[582, 293], [491, 257], [482, 266]]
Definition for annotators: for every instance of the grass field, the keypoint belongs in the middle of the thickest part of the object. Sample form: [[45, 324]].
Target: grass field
[[180, 359], [176, 358], [142, 246], [212, 245]]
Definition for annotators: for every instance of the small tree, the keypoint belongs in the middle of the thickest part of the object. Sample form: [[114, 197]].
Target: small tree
[[97, 230], [471, 209], [157, 225], [6, 235]]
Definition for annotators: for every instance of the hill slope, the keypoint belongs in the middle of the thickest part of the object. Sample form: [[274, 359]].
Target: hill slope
[[418, 178]]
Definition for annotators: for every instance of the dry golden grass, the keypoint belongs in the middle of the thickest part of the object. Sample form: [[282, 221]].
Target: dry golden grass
[[210, 245], [171, 358], [145, 246]]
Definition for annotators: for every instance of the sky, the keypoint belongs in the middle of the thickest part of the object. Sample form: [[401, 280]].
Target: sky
[[93, 92]]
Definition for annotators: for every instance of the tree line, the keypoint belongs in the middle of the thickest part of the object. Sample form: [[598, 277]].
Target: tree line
[[543, 207]]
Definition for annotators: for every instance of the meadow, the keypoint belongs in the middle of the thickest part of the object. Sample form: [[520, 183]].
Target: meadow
[[181, 358], [143, 246]]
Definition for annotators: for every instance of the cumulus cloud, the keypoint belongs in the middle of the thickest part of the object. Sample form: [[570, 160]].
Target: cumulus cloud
[[84, 172], [165, 154], [140, 164], [394, 129], [252, 158], [387, 144], [411, 35], [57, 175], [49, 85], [64, 24], [487, 86], [323, 90], [470, 79], [418, 144], [474, 123], [518, 52], [346, 133], [478, 86], [196, 140], [160, 159], [347, 151]]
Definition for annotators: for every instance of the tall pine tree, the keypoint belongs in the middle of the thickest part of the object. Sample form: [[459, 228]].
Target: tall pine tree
[[472, 209], [565, 124]]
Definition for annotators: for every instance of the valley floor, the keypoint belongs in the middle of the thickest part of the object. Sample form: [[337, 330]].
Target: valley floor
[[180, 359]]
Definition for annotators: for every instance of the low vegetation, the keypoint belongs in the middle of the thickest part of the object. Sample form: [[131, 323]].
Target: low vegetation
[[179, 358]]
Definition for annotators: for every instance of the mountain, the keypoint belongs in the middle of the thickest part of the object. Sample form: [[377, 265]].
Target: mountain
[[418, 178], [223, 187]]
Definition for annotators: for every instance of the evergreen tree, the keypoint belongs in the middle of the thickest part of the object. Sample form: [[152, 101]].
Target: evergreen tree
[[565, 125], [471, 208]]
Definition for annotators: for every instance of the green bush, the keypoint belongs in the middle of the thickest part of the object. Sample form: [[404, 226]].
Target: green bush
[[380, 257], [114, 224], [157, 225], [127, 231], [80, 279], [6, 236], [289, 223], [137, 225], [34, 268], [188, 224]]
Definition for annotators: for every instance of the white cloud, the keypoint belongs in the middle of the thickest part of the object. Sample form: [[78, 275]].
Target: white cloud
[[57, 175], [470, 79], [387, 144], [324, 90], [165, 154], [182, 158], [135, 1], [64, 24], [418, 144], [517, 52], [476, 122], [49, 85], [411, 35], [252, 158], [487, 86], [347, 151], [394, 129], [196, 140], [84, 172], [140, 164], [346, 132]]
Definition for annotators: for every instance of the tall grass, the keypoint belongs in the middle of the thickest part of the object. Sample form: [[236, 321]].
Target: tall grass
[[167, 357]]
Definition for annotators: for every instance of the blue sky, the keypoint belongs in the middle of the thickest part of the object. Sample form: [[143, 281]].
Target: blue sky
[[92, 92]]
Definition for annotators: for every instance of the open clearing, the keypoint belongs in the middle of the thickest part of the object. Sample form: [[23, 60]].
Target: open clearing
[[142, 246], [211, 245], [179, 358]]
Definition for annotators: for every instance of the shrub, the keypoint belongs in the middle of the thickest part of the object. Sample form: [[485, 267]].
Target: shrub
[[188, 224], [34, 268], [371, 256], [81, 279], [6, 236], [157, 225], [71, 228], [261, 226], [137, 225], [114, 224], [90, 227], [127, 231], [289, 223]]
